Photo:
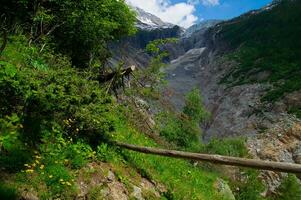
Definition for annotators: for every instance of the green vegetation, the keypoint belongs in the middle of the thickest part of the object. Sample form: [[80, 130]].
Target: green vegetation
[[289, 189], [56, 120], [229, 147], [7, 192], [183, 129], [267, 49], [80, 29], [194, 107], [250, 187]]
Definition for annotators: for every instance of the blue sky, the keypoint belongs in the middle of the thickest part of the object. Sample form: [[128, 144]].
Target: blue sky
[[188, 12], [226, 9]]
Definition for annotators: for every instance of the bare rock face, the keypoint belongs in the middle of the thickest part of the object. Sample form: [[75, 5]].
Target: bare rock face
[[223, 188], [99, 181], [233, 109], [281, 143]]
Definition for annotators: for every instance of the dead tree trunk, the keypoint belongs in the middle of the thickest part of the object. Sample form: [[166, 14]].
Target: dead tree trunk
[[218, 159], [123, 73]]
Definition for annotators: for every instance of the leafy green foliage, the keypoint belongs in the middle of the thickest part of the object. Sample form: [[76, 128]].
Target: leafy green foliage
[[108, 153], [290, 189], [68, 99], [269, 42], [14, 153], [229, 147], [153, 76], [178, 129], [250, 188], [183, 128], [194, 107], [81, 29]]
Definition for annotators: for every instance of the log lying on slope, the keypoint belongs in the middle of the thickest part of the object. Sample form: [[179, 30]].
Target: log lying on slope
[[218, 159]]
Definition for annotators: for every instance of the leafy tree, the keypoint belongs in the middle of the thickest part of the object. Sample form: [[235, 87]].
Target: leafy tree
[[194, 107], [80, 29]]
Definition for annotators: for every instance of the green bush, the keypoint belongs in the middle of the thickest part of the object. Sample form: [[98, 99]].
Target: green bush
[[194, 107], [250, 188], [290, 189], [58, 178], [178, 129], [230, 147], [13, 152]]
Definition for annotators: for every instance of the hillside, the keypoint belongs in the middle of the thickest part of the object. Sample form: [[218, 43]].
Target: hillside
[[248, 73], [69, 92]]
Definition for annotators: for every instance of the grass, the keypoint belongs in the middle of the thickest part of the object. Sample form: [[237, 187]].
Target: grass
[[171, 172]]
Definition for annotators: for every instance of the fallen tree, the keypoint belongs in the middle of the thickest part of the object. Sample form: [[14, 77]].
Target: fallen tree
[[218, 159]]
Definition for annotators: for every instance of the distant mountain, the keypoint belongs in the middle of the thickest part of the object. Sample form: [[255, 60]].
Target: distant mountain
[[204, 25], [148, 21]]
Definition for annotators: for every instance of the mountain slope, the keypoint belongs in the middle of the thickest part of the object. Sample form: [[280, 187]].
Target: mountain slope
[[149, 21], [248, 70]]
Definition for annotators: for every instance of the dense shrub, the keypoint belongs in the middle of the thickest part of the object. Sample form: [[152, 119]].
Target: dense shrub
[[194, 107]]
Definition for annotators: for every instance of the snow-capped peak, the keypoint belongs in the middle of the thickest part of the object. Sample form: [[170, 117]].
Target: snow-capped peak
[[149, 21]]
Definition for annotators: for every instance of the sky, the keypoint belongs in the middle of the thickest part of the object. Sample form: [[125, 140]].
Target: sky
[[188, 12]]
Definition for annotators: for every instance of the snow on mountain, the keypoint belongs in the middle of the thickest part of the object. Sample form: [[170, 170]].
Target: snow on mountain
[[148, 21], [204, 25]]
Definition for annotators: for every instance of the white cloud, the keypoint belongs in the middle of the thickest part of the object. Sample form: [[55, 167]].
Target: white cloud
[[204, 2], [181, 14]]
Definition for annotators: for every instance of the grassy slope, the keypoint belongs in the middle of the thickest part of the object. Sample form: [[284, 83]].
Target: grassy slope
[[268, 42], [182, 179]]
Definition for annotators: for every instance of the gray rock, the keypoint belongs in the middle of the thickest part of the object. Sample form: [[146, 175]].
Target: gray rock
[[137, 193], [224, 189]]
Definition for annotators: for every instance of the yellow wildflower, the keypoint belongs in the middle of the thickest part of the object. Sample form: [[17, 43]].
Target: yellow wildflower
[[29, 171], [61, 180], [50, 176], [69, 184], [42, 167], [26, 165], [38, 162]]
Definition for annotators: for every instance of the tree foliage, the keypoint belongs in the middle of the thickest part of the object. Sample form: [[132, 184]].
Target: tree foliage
[[80, 29], [194, 107]]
